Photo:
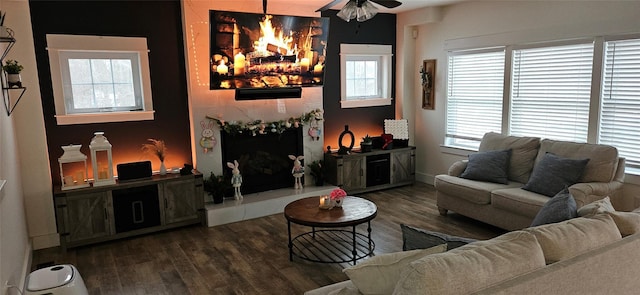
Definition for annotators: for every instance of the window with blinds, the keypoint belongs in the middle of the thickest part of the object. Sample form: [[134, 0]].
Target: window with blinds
[[550, 92], [474, 96], [620, 111]]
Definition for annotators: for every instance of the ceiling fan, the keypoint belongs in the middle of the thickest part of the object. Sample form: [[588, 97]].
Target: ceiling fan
[[361, 10]]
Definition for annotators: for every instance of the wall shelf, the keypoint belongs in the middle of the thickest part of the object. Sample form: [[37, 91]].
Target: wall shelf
[[6, 90]]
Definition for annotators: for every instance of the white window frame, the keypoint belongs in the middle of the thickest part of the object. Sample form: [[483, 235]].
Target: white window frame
[[550, 100], [488, 98], [96, 46], [596, 99], [358, 52]]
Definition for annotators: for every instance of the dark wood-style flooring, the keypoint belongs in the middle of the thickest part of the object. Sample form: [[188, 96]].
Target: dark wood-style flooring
[[248, 257]]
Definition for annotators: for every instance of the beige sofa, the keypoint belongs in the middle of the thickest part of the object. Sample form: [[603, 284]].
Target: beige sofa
[[586, 255], [509, 206]]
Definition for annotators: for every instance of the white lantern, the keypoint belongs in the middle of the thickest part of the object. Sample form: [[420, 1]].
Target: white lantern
[[101, 160], [73, 167]]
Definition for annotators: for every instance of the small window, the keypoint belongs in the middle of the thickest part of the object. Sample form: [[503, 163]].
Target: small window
[[100, 79], [366, 75]]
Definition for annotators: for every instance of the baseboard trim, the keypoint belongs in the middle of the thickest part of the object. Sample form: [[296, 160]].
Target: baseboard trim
[[26, 266], [45, 241], [425, 178]]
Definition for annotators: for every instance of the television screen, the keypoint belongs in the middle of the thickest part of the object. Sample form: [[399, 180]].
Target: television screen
[[250, 50]]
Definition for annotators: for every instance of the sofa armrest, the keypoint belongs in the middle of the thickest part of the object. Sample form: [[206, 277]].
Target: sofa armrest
[[587, 192], [457, 168]]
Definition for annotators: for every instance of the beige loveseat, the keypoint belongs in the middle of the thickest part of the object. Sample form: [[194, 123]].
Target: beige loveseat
[[509, 206], [585, 255]]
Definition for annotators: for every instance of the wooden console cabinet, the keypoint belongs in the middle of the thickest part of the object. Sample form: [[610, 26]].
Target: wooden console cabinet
[[87, 215], [379, 169]]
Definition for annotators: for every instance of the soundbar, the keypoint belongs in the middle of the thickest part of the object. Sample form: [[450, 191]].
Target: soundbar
[[268, 93]]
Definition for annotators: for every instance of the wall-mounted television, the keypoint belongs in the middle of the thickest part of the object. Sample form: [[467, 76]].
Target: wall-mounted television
[[250, 50]]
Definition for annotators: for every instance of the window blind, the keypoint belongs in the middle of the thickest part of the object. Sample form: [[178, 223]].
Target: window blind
[[550, 92], [474, 97], [620, 117]]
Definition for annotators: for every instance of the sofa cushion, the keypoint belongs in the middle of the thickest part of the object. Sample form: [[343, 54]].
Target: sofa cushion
[[559, 208], [492, 166], [603, 159], [472, 267], [417, 238], [379, 274], [477, 192], [628, 222], [523, 152], [519, 201], [599, 206], [569, 238], [553, 173]]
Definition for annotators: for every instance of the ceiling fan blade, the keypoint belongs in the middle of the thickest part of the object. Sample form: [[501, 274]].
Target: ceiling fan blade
[[387, 3], [331, 4]]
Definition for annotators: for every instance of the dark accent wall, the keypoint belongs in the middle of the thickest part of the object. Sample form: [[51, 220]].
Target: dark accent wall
[[379, 30], [161, 23]]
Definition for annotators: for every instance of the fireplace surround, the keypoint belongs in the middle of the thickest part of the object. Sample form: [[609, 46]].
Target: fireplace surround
[[263, 158]]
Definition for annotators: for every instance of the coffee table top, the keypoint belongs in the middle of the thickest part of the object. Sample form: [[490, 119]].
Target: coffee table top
[[307, 212]]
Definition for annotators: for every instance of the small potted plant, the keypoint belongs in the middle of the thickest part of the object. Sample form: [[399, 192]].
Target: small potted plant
[[216, 186], [317, 171], [366, 144], [13, 69]]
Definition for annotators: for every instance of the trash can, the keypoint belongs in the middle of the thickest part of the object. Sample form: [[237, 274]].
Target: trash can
[[56, 280]]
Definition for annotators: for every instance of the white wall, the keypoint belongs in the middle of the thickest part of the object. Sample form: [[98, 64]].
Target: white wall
[[221, 103], [15, 249], [30, 132], [486, 23]]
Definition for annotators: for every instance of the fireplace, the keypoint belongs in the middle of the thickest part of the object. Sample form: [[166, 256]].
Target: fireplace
[[263, 158]]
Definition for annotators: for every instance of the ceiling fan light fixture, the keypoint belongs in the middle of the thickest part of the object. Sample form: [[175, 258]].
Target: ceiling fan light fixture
[[357, 9], [348, 11], [366, 11]]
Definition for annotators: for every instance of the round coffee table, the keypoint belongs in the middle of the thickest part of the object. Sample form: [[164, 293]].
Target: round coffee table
[[331, 245]]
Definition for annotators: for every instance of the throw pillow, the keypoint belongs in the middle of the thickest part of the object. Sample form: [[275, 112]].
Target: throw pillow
[[553, 173], [379, 274], [559, 208], [599, 206], [416, 238], [492, 166]]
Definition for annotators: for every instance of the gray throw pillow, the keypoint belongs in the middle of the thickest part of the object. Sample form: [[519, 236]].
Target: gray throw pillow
[[416, 238], [553, 173], [492, 166], [559, 208]]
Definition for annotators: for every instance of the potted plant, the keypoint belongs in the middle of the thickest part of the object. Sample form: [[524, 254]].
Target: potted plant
[[216, 186], [13, 68], [366, 144], [318, 172]]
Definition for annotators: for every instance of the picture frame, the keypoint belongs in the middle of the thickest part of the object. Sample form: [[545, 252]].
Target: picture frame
[[428, 75]]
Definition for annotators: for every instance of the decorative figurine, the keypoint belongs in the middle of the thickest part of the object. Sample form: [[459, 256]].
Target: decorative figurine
[[236, 179], [297, 171], [207, 141]]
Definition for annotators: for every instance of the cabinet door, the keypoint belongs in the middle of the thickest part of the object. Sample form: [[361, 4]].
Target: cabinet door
[[180, 201], [353, 173], [403, 166], [84, 216]]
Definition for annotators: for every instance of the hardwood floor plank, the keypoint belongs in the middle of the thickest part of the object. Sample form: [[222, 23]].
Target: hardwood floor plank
[[248, 257]]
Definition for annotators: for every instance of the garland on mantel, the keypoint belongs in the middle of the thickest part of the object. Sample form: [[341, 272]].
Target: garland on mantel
[[261, 127]]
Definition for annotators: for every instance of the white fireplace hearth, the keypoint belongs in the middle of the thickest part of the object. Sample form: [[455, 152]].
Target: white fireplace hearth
[[259, 204]]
